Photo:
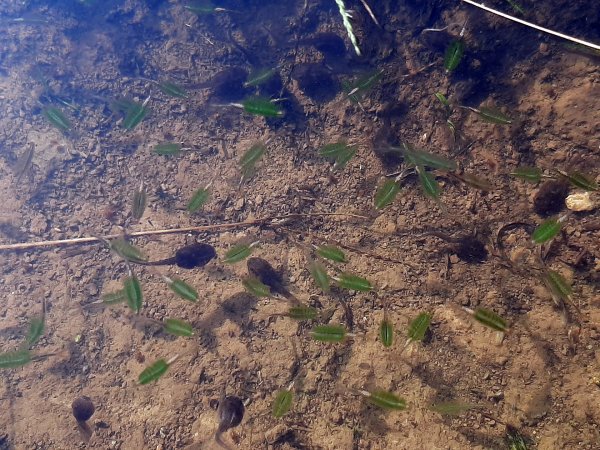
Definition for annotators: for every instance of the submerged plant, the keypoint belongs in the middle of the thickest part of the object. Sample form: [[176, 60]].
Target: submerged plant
[[156, 370], [198, 200], [329, 333], [250, 158], [57, 118], [454, 54], [358, 89], [260, 106], [340, 152], [384, 399]]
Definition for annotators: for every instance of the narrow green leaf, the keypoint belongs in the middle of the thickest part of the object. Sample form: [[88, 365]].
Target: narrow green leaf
[[282, 403], [418, 327], [36, 330], [238, 253], [203, 7], [332, 151], [332, 253], [359, 88], [172, 89], [451, 408], [558, 285], [353, 282], [328, 333], [127, 251], [442, 98], [18, 358], [57, 118], [319, 274], [581, 181], [531, 174], [112, 298], [453, 55], [518, 8], [198, 200], [153, 372], [386, 400], [386, 333], [256, 287], [135, 113], [184, 290], [493, 115], [386, 193], [431, 188], [260, 76], [178, 327], [133, 291], [302, 313], [259, 106], [477, 182], [167, 149], [546, 231], [426, 159], [138, 203], [252, 156], [490, 319], [342, 160], [24, 162]]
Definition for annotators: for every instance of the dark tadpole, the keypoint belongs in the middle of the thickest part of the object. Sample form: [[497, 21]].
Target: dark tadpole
[[228, 85], [550, 198], [262, 270], [83, 408], [231, 412], [471, 250], [188, 257]]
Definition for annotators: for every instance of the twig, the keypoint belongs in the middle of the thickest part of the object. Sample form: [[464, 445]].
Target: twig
[[529, 24], [370, 11], [348, 25], [221, 226]]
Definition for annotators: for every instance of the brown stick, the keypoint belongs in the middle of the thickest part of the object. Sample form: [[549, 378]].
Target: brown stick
[[198, 229]]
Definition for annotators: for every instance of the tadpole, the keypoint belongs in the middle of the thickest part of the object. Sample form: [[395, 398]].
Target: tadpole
[[231, 412], [262, 270], [83, 409], [188, 257], [468, 248]]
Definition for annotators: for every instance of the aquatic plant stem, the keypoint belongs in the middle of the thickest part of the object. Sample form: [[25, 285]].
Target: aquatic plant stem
[[273, 221], [348, 25], [532, 25]]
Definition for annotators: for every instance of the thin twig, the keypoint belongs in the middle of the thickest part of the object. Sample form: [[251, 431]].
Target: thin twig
[[199, 229], [532, 25], [370, 11]]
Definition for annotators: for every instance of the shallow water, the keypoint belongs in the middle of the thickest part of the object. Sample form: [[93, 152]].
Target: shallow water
[[93, 86]]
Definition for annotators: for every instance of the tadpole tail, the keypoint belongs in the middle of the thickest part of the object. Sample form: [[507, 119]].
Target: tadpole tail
[[219, 441]]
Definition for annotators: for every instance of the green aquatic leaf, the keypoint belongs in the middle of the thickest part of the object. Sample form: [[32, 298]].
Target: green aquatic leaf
[[256, 287], [260, 106], [24, 162], [531, 174], [302, 313], [493, 115], [386, 333], [332, 253], [426, 159], [282, 403], [418, 327], [453, 55], [36, 330], [328, 333], [490, 319], [581, 181], [340, 152], [178, 327], [167, 149], [134, 114], [203, 7], [182, 289], [57, 118], [172, 89], [431, 188], [259, 76], [153, 372], [518, 8], [112, 298], [319, 274], [18, 358], [251, 157], [127, 251], [238, 253], [198, 200], [133, 291], [476, 182], [353, 282], [358, 89], [386, 193], [385, 400], [558, 285], [442, 98], [546, 231], [138, 203]]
